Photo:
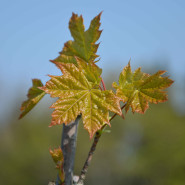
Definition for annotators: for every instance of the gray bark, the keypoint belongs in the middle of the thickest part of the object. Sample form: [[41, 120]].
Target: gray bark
[[68, 145]]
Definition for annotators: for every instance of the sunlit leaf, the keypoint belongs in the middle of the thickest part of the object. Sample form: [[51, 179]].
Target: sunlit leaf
[[91, 71], [80, 94], [34, 96], [138, 88], [84, 44]]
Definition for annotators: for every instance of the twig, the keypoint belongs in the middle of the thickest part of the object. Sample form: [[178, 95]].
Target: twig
[[89, 158], [92, 149]]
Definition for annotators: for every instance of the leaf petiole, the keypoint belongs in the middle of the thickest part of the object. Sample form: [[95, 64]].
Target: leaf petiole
[[103, 84]]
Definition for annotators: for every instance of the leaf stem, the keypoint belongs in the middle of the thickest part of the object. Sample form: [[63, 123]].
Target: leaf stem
[[92, 149], [100, 88], [103, 84]]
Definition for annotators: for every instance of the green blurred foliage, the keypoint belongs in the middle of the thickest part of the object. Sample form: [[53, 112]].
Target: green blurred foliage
[[140, 150]]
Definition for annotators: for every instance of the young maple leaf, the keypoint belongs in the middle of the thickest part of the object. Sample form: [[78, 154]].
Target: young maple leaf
[[80, 94], [34, 96], [138, 88], [84, 44], [58, 158]]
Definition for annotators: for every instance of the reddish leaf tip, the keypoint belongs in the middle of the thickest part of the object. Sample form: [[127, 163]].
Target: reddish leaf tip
[[99, 15]]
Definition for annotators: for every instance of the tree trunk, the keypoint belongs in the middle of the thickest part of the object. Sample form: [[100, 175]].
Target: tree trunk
[[68, 145]]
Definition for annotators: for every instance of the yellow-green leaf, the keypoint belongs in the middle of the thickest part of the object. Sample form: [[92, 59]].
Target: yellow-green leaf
[[34, 96], [91, 71], [57, 155], [58, 158], [84, 44], [138, 88], [79, 93]]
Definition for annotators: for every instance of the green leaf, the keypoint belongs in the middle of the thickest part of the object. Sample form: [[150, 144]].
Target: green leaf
[[91, 71], [138, 88], [34, 96], [80, 94], [57, 155], [58, 158], [84, 44]]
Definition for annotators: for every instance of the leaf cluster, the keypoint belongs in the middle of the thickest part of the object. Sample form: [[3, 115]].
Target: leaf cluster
[[81, 90]]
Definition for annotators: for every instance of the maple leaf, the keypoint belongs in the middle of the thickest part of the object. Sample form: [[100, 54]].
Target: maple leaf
[[138, 88], [79, 95], [84, 44], [34, 96], [58, 158], [92, 72]]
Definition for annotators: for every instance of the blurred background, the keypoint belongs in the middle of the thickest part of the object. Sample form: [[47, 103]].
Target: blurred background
[[140, 150]]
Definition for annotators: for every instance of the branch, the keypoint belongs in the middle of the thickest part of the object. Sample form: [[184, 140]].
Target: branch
[[68, 147]]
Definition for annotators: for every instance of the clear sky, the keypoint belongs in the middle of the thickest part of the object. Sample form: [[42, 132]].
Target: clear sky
[[33, 31]]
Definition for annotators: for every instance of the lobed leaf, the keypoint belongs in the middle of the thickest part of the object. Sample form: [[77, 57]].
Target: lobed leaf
[[138, 88], [34, 96], [91, 71], [79, 94], [84, 44]]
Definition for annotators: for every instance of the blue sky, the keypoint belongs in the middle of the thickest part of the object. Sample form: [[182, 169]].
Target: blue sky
[[33, 32]]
